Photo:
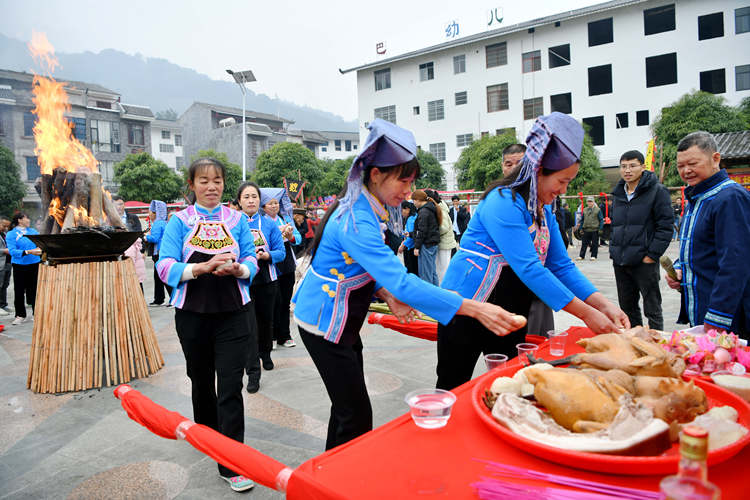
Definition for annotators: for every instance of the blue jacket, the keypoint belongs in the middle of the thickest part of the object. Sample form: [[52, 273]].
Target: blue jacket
[[156, 234], [280, 220], [17, 243], [409, 228], [502, 233], [175, 250], [351, 254], [714, 240]]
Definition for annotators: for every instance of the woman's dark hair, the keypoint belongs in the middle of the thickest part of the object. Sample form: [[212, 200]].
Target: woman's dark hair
[[246, 185], [200, 165], [410, 206], [429, 196], [522, 190], [16, 217], [402, 171]]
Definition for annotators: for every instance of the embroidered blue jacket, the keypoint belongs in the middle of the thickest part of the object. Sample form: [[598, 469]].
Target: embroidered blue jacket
[[352, 253], [714, 241], [17, 242], [502, 233]]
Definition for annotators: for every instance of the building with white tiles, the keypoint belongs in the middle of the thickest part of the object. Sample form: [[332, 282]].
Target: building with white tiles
[[166, 143]]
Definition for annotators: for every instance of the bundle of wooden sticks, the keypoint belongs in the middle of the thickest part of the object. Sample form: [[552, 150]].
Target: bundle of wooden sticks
[[91, 328]]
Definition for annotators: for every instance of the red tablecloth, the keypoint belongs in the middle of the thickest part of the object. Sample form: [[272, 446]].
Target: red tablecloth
[[400, 460]]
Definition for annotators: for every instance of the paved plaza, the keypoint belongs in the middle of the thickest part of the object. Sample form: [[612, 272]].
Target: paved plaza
[[83, 445]]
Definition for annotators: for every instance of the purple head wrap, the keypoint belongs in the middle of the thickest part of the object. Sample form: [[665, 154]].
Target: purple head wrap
[[387, 145], [554, 142], [159, 208]]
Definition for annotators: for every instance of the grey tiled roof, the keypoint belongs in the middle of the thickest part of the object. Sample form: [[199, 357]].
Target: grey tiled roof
[[258, 128], [248, 113], [28, 77], [6, 94], [135, 110], [313, 136], [734, 144]]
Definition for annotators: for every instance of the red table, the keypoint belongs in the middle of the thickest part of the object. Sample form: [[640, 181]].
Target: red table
[[401, 460]]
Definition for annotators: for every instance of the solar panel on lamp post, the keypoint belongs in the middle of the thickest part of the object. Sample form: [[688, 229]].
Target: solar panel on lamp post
[[243, 77]]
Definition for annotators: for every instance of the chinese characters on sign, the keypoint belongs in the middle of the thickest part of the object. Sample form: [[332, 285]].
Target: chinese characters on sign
[[380, 48], [742, 178], [495, 16], [451, 29]]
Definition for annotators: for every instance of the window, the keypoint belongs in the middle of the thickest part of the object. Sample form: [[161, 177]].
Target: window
[[79, 128], [641, 118], [497, 97], [106, 167], [621, 120], [658, 20], [559, 56], [741, 20], [435, 110], [383, 79], [324, 149], [461, 98], [711, 26], [742, 77], [135, 135], [166, 148], [426, 72], [180, 161], [600, 32], [348, 145], [485, 134], [105, 136], [531, 61], [661, 70], [337, 144], [506, 130], [32, 168], [415, 110], [600, 80], [166, 134], [595, 126], [438, 151], [496, 54], [532, 108], [714, 81], [354, 147], [29, 120], [103, 104], [386, 113], [464, 140], [459, 64], [177, 140], [561, 103]]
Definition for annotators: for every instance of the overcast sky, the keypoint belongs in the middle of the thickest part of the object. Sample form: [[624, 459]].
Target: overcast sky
[[294, 48]]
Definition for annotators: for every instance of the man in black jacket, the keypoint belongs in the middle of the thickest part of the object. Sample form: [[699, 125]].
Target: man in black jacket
[[641, 231], [460, 217]]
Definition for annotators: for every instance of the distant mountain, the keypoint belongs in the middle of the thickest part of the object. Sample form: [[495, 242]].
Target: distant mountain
[[161, 84]]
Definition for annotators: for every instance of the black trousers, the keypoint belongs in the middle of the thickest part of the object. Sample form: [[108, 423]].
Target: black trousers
[[640, 280], [461, 341], [281, 317], [159, 285], [411, 261], [590, 238], [5, 282], [341, 368], [24, 287], [263, 300], [215, 347]]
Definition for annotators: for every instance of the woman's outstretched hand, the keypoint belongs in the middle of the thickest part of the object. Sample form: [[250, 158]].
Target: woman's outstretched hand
[[494, 318]]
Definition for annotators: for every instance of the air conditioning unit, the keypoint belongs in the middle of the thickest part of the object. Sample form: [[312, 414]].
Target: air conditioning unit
[[227, 122]]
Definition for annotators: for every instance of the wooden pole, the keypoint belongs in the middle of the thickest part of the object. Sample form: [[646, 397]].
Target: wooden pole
[[95, 198], [112, 216]]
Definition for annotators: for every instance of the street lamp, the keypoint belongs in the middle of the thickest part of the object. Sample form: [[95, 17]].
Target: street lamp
[[243, 77]]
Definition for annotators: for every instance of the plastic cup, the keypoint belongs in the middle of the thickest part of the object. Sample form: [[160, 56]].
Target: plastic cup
[[523, 352], [495, 361], [557, 341], [430, 408]]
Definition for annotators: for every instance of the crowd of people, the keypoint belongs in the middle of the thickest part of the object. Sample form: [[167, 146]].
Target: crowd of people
[[488, 276]]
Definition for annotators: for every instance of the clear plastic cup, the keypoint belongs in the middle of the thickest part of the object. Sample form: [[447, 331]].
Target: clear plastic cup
[[557, 342], [430, 408], [523, 352], [493, 361]]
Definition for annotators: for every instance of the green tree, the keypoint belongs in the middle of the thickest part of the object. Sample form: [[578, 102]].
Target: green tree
[[432, 173], [144, 178], [13, 189], [481, 162], [284, 159], [232, 178], [692, 112], [745, 111], [334, 175]]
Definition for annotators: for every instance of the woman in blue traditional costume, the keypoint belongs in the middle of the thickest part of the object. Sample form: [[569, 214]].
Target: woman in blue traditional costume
[[269, 248], [278, 207], [351, 263], [157, 215], [512, 250], [207, 256]]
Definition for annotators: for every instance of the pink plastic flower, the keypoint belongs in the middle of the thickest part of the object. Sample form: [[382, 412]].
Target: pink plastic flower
[[697, 357], [743, 357], [704, 343]]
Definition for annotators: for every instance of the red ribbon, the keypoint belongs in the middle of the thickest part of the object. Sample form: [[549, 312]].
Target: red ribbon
[[682, 201]]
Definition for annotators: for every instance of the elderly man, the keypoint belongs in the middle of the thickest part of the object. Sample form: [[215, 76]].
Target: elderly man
[[713, 274], [592, 222]]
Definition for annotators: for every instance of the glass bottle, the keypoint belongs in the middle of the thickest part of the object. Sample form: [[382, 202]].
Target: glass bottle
[[691, 481]]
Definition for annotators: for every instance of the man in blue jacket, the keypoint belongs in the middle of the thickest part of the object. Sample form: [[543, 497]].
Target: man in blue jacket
[[641, 231], [713, 273]]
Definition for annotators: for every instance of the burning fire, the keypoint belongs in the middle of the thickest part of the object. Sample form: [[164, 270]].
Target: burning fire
[[55, 144]]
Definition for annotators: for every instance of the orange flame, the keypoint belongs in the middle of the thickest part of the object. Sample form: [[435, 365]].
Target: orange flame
[[57, 211], [55, 145], [81, 217]]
